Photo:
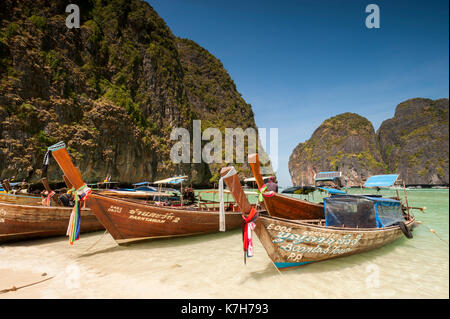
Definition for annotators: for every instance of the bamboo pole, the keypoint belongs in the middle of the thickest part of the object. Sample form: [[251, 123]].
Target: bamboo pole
[[406, 197], [46, 185]]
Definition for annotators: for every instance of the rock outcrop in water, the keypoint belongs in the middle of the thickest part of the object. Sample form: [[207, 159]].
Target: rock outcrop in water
[[113, 90], [346, 142], [414, 143]]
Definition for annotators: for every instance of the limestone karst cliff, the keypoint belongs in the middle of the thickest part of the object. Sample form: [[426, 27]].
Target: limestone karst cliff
[[414, 143], [113, 90]]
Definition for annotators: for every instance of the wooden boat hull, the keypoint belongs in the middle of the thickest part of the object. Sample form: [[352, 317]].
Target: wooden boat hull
[[128, 221], [292, 208], [20, 199], [135, 195], [23, 222], [291, 244]]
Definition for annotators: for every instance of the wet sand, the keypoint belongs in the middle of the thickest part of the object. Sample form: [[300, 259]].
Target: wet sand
[[211, 266]]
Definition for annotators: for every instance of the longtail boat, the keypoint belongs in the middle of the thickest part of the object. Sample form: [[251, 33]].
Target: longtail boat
[[279, 205], [20, 199], [135, 194], [130, 221], [27, 218], [353, 224]]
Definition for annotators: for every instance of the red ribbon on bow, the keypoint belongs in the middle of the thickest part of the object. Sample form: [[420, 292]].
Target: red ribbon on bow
[[247, 229]]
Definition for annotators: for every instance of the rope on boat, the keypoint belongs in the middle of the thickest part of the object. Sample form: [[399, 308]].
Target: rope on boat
[[95, 243], [434, 232], [14, 288], [261, 192]]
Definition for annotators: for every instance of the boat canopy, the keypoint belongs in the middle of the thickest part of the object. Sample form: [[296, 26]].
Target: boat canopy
[[331, 191], [146, 189], [172, 180], [327, 176], [355, 211], [381, 180], [141, 183], [252, 179]]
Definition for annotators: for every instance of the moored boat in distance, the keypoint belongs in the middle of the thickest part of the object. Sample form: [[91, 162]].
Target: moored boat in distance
[[130, 221]]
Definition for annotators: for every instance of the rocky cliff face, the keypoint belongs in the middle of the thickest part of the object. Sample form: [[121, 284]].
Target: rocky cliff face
[[113, 90], [346, 142], [414, 143]]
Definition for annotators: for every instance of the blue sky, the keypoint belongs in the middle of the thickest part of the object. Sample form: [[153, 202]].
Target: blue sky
[[300, 62]]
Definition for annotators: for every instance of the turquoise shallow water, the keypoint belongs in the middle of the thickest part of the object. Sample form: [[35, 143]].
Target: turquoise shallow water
[[415, 268], [211, 266]]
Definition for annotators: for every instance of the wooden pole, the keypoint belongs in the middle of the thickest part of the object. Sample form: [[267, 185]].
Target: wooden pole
[[253, 160], [181, 191], [46, 185], [406, 198]]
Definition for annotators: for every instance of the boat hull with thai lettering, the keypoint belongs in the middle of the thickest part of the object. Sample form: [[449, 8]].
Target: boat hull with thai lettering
[[292, 244], [130, 221], [32, 221]]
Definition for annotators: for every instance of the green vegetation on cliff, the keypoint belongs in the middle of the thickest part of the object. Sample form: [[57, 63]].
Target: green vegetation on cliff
[[346, 142], [112, 90], [414, 143]]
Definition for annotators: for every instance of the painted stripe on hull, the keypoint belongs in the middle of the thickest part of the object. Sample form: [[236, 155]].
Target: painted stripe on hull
[[282, 265]]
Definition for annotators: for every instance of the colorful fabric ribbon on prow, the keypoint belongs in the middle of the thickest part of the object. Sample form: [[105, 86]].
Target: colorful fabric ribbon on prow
[[247, 231], [79, 195], [261, 192]]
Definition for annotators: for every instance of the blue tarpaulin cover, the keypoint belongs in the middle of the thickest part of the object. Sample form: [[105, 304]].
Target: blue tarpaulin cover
[[332, 190], [381, 180], [356, 211], [388, 211]]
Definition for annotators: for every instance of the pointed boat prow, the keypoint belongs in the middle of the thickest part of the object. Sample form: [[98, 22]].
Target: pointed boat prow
[[279, 205], [253, 161], [70, 171], [234, 185]]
